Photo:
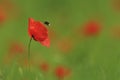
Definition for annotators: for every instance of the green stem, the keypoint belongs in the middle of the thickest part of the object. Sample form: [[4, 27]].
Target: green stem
[[29, 53]]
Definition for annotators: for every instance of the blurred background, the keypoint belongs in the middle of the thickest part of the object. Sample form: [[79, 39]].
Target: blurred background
[[84, 35]]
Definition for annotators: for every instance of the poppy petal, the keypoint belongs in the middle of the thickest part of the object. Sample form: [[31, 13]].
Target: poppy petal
[[46, 43]]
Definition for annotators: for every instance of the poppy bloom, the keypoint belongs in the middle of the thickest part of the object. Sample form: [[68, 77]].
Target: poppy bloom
[[16, 48], [7, 8], [2, 15], [61, 72], [44, 67], [92, 28], [38, 32]]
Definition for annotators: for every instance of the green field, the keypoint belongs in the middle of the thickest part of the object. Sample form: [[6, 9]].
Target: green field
[[87, 57]]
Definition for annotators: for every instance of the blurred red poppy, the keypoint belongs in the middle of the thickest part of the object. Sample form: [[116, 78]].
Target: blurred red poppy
[[8, 10], [44, 66], [2, 15], [92, 28], [62, 72], [16, 47], [38, 32]]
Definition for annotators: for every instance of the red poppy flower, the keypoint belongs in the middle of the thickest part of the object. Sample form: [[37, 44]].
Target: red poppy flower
[[16, 47], [61, 72], [38, 32], [2, 15], [44, 67], [91, 28]]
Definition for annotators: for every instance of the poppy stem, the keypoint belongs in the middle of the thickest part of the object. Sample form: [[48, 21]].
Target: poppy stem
[[29, 53]]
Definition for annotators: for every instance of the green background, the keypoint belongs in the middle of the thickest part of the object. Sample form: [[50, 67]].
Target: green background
[[94, 58]]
